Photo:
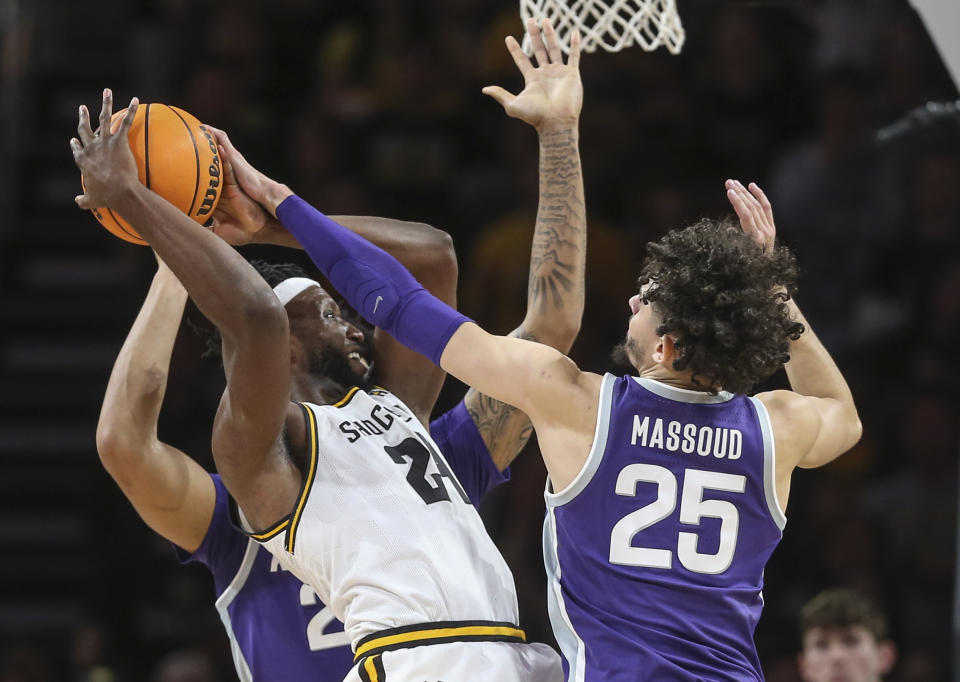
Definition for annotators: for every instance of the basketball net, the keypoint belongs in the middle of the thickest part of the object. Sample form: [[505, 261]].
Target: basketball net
[[611, 24]]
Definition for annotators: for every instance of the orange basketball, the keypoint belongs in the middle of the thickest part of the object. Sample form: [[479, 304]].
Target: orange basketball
[[177, 158]]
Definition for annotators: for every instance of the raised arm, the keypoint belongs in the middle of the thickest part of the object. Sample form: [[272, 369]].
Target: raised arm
[[540, 380], [550, 101], [172, 493], [246, 438], [425, 251], [817, 420]]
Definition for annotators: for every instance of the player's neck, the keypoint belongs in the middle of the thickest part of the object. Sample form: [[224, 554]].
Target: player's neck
[[317, 389], [671, 377]]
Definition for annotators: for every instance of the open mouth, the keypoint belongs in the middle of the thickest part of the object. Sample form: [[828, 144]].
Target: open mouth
[[358, 358]]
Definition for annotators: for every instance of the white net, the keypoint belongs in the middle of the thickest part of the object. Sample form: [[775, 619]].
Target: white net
[[611, 24]]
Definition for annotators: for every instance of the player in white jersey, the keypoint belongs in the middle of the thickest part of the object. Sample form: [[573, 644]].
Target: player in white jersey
[[271, 458], [405, 528]]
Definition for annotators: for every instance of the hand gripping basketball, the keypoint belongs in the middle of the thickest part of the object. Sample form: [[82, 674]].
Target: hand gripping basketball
[[175, 156], [104, 157]]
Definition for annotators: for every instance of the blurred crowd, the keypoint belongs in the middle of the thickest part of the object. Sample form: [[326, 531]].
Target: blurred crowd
[[374, 107]]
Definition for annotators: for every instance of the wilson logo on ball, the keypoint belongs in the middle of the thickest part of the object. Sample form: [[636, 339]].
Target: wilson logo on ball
[[212, 195]]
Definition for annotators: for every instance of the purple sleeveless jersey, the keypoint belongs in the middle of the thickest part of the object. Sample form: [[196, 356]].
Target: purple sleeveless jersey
[[655, 552], [277, 627]]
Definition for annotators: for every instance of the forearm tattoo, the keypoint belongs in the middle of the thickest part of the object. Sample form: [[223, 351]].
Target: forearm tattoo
[[557, 257]]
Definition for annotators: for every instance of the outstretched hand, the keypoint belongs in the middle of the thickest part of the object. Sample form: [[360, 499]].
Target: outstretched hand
[[104, 157], [754, 211], [552, 90]]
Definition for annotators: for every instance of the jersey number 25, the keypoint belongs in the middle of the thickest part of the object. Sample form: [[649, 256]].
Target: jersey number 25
[[692, 508]]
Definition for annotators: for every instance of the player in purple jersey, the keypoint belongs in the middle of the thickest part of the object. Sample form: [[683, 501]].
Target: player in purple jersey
[[479, 437], [667, 490]]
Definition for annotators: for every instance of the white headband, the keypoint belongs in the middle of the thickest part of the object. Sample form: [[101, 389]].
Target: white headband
[[292, 287]]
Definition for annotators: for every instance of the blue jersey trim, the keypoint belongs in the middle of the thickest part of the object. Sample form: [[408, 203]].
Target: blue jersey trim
[[595, 455], [769, 465], [682, 395]]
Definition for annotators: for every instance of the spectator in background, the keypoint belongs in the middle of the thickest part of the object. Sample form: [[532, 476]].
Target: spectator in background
[[844, 638]]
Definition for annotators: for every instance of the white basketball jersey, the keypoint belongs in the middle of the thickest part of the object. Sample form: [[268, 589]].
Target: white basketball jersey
[[382, 530]]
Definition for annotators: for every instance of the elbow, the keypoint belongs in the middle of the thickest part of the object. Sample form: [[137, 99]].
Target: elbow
[[559, 332], [567, 331], [439, 245], [436, 240], [116, 446], [437, 268], [856, 429], [261, 314]]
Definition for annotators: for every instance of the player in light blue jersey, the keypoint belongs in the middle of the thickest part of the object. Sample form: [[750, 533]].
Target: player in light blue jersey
[[667, 489], [277, 627]]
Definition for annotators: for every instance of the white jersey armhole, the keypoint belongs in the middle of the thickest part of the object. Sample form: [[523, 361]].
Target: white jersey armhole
[[769, 465], [592, 463]]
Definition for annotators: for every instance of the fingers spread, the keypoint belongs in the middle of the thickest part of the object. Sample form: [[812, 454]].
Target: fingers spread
[[128, 117], [519, 56], [553, 42], [106, 111], [83, 127], [539, 50], [574, 59]]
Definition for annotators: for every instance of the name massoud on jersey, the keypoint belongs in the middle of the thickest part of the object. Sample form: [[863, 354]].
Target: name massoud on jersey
[[675, 436]]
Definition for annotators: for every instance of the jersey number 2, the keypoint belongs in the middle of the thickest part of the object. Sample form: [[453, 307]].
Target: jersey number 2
[[420, 452], [692, 508], [317, 639]]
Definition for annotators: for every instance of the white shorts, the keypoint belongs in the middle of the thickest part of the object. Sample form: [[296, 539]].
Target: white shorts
[[461, 662]]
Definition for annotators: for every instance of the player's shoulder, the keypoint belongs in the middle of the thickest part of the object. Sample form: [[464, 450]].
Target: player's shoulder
[[794, 420]]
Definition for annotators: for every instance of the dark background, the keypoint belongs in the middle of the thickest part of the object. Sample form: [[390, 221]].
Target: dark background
[[374, 107]]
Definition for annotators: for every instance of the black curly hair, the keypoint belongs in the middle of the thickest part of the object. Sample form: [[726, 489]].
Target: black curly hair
[[723, 298], [273, 273]]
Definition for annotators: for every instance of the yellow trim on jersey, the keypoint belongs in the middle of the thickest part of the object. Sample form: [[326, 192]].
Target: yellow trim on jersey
[[442, 634], [346, 399], [267, 534], [370, 668], [308, 483]]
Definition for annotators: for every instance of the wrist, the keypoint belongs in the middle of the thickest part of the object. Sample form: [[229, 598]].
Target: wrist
[[124, 193], [273, 232], [274, 194], [558, 125]]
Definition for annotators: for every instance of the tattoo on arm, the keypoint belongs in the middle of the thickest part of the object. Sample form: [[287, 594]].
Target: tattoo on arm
[[555, 289], [559, 241], [505, 429]]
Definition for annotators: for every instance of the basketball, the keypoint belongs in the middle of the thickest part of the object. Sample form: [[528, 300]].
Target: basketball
[[176, 157]]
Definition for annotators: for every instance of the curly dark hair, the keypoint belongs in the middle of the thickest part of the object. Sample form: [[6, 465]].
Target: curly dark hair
[[723, 298], [273, 273]]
